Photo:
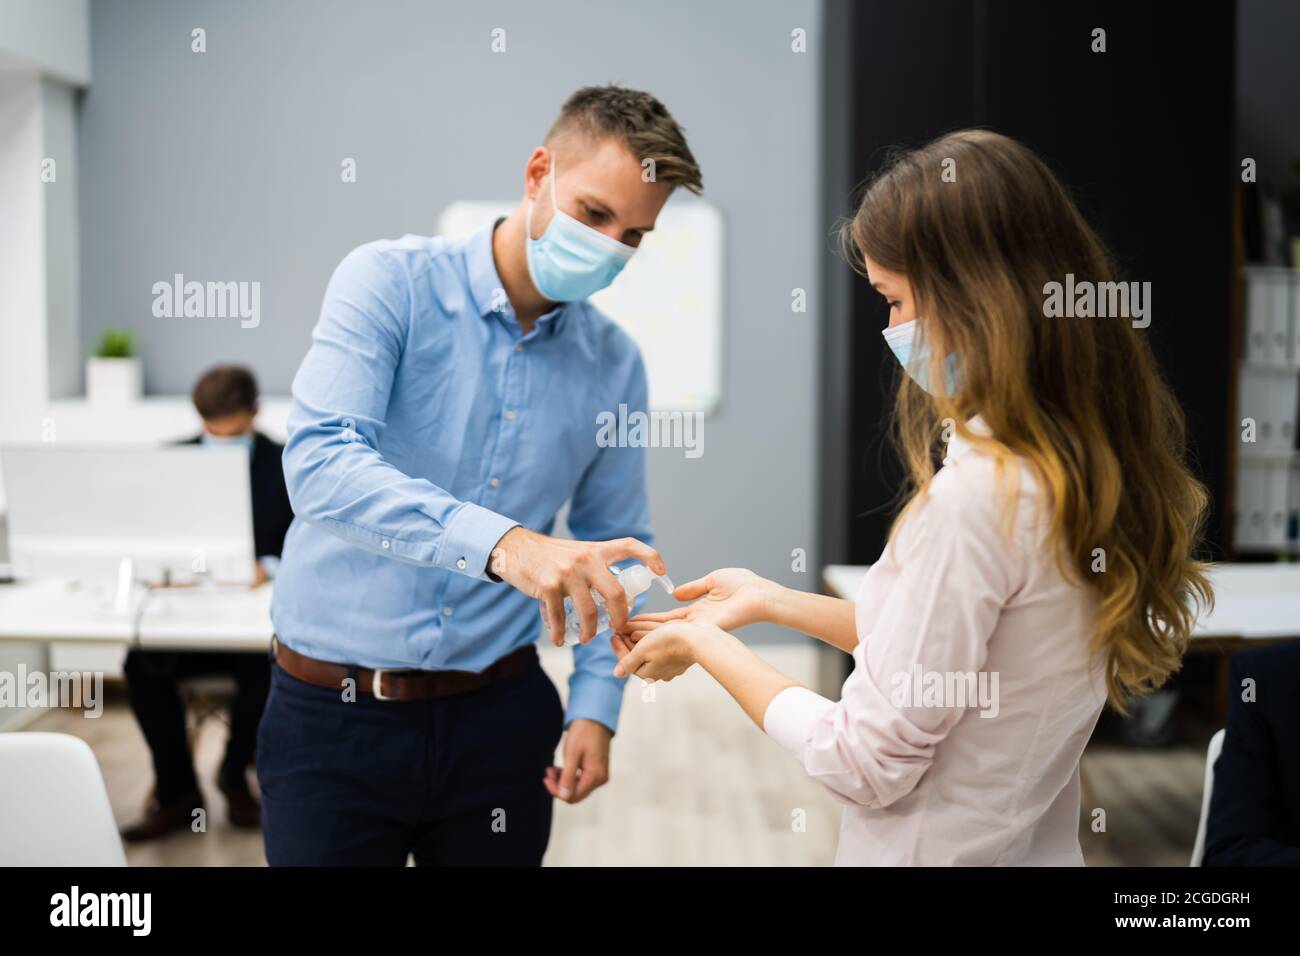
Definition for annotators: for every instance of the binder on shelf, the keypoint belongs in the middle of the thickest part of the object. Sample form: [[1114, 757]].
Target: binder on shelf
[[1263, 507], [1293, 339], [1270, 397], [1272, 293], [1293, 504], [1267, 507]]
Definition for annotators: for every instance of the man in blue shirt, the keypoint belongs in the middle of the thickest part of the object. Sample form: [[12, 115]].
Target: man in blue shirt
[[447, 410]]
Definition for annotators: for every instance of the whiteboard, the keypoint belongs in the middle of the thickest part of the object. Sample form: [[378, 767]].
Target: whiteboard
[[668, 297]]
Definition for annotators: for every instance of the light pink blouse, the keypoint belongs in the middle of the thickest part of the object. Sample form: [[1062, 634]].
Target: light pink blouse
[[957, 738]]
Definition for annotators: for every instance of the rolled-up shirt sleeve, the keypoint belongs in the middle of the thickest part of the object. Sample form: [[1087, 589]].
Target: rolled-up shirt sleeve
[[956, 570]]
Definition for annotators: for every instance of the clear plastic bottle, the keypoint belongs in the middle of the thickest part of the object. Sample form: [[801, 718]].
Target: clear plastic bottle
[[635, 579]]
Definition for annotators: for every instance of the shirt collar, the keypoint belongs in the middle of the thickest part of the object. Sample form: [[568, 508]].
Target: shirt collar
[[486, 288], [484, 284], [958, 446]]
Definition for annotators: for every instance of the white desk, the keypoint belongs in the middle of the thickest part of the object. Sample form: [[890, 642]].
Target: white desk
[[1252, 601], [219, 618], [45, 610], [228, 619]]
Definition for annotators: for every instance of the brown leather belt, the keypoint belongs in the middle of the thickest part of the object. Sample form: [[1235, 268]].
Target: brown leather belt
[[387, 684]]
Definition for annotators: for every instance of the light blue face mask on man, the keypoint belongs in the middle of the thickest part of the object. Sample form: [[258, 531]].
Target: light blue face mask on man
[[901, 340], [570, 260]]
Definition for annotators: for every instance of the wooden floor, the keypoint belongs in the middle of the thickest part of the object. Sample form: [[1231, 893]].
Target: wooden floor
[[693, 783]]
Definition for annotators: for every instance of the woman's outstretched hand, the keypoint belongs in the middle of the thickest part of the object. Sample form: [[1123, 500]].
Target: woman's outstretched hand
[[664, 653], [728, 598]]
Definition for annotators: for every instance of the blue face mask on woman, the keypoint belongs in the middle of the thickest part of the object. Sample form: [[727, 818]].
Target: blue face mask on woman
[[570, 260], [901, 340]]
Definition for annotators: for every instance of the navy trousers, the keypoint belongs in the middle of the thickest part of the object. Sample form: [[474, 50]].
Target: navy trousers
[[455, 781]]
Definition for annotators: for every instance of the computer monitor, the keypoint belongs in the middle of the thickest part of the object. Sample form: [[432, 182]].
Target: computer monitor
[[180, 513]]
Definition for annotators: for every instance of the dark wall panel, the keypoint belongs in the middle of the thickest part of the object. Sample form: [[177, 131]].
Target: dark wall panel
[[1142, 136]]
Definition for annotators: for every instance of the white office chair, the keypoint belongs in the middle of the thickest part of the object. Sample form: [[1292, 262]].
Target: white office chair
[[1211, 755], [54, 810]]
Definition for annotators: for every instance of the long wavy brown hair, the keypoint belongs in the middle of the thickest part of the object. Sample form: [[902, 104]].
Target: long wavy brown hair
[[1080, 399]]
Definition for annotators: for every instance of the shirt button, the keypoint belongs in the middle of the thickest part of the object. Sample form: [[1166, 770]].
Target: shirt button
[[461, 564], [385, 543], [446, 611], [510, 415], [519, 348], [495, 482]]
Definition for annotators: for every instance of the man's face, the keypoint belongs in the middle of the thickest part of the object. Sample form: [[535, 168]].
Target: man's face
[[599, 184], [230, 426]]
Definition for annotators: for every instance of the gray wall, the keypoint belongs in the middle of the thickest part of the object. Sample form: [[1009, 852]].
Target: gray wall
[[225, 166]]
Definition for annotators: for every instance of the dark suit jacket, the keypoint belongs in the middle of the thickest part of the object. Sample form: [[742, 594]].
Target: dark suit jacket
[[1255, 806], [272, 513]]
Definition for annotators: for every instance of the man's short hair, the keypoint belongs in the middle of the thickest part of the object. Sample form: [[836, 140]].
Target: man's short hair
[[637, 120], [224, 390]]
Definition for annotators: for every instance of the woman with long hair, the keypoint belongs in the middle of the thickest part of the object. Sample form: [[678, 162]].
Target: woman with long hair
[[1044, 561]]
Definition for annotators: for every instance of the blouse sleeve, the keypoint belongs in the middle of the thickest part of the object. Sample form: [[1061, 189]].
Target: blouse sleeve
[[957, 569]]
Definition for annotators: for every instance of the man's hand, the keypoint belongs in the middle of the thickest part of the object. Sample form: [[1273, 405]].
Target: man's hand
[[728, 598], [586, 762], [551, 569]]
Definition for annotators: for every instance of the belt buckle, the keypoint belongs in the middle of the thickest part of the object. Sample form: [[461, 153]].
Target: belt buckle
[[376, 684]]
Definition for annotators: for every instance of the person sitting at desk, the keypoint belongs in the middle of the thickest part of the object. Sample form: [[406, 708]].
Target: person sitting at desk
[[226, 399], [1254, 815]]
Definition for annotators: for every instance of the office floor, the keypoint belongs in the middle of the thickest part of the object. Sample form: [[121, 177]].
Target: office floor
[[693, 783]]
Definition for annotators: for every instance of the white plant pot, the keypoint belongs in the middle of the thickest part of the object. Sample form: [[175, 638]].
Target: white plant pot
[[114, 380]]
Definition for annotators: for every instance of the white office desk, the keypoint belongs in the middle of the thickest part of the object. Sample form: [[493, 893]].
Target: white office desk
[[1252, 601], [228, 619], [219, 618], [48, 610]]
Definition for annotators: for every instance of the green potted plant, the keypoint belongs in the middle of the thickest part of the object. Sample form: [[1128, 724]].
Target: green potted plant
[[113, 372]]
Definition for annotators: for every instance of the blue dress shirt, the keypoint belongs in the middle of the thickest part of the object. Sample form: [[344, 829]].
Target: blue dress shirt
[[424, 426]]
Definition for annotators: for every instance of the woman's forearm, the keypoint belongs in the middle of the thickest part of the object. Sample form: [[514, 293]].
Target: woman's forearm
[[752, 681], [828, 619]]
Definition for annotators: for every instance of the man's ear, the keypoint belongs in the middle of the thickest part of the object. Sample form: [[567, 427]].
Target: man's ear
[[539, 164]]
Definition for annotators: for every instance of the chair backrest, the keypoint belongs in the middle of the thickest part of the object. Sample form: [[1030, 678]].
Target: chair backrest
[[1211, 755], [54, 810]]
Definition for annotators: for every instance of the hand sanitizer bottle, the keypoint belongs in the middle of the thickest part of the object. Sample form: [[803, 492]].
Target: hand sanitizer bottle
[[635, 579]]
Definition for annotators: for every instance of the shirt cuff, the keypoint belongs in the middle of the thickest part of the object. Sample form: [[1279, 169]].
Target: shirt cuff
[[469, 538], [270, 564], [594, 698], [791, 715]]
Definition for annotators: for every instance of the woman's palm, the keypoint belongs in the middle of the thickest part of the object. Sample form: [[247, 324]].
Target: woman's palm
[[728, 598]]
